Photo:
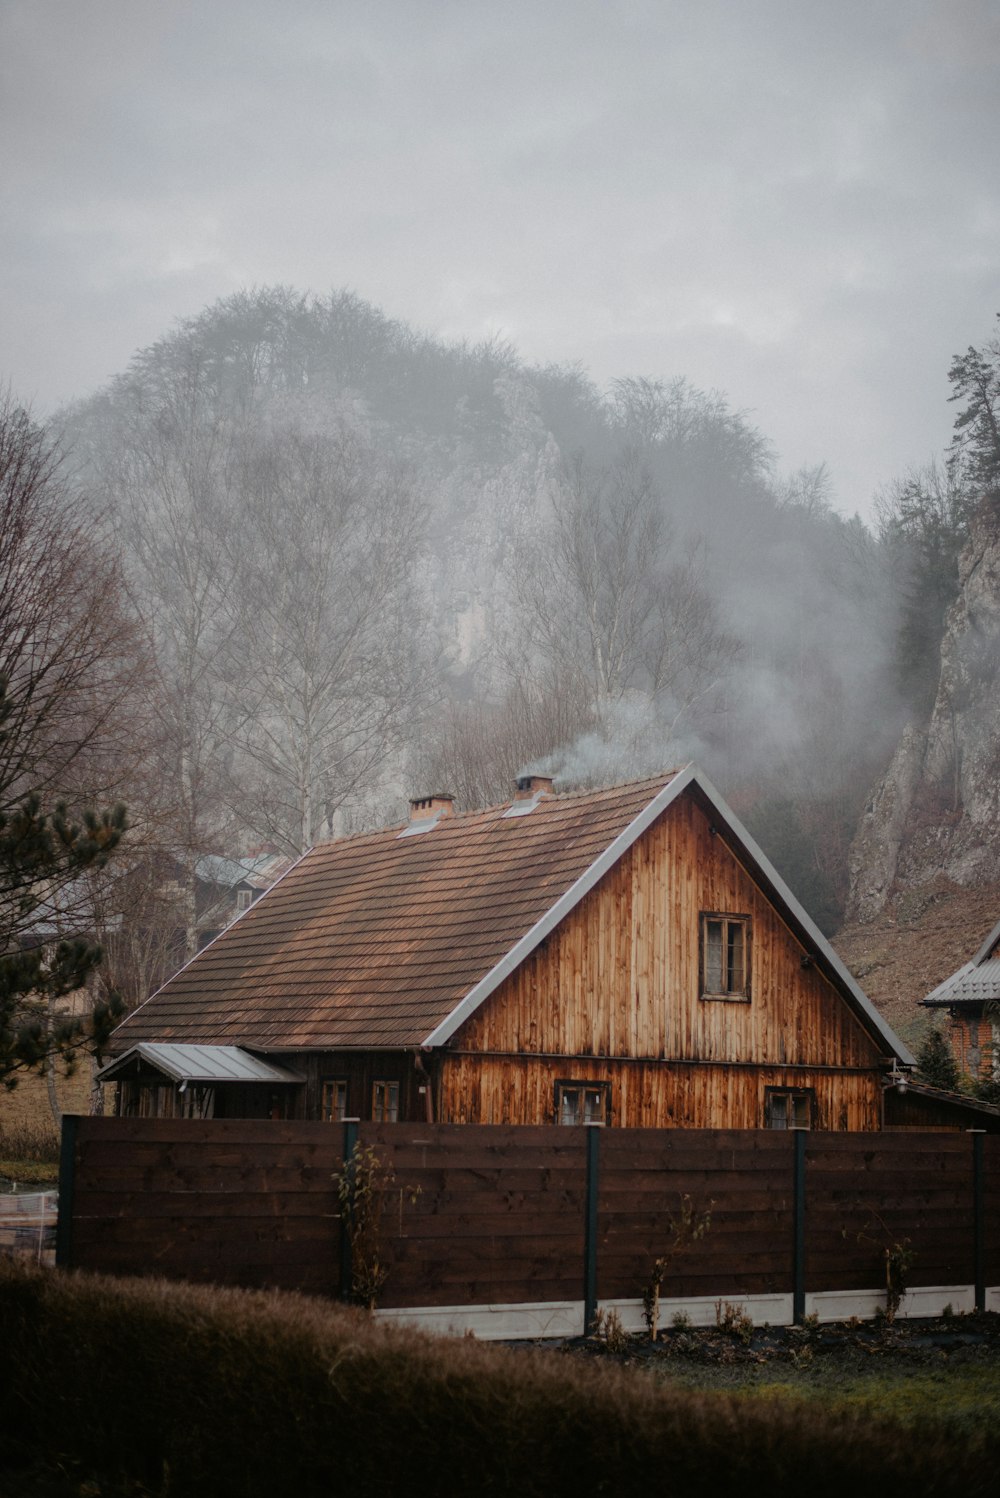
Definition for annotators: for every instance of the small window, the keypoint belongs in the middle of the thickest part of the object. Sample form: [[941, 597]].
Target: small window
[[334, 1100], [725, 956], [581, 1102], [789, 1110], [244, 899], [385, 1102]]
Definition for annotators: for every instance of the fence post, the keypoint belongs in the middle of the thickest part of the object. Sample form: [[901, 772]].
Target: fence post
[[978, 1219], [348, 1168], [799, 1240], [590, 1230], [67, 1184]]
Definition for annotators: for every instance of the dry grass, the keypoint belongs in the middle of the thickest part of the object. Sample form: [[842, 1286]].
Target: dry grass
[[195, 1391], [27, 1105]]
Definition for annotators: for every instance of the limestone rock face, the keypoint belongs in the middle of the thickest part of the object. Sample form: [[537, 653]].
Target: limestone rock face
[[936, 812]]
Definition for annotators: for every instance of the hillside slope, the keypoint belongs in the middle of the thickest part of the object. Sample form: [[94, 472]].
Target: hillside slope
[[915, 942]]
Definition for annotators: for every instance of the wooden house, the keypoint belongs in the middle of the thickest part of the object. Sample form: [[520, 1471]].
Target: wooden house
[[971, 998], [626, 956]]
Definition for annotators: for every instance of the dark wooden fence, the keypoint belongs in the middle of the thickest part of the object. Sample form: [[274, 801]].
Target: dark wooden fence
[[494, 1216]]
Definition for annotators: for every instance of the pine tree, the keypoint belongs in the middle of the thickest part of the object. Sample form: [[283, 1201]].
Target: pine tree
[[975, 448], [64, 673], [42, 853], [936, 1065]]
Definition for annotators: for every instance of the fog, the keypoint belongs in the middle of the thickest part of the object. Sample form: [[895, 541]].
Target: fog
[[461, 390], [795, 204]]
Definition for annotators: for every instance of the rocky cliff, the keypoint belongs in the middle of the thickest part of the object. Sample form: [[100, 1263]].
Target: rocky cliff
[[934, 818]]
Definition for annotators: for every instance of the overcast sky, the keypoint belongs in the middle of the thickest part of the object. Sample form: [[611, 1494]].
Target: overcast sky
[[795, 202]]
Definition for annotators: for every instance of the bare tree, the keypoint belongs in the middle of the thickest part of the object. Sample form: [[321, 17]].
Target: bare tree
[[475, 747], [70, 666], [329, 664], [607, 601], [170, 469]]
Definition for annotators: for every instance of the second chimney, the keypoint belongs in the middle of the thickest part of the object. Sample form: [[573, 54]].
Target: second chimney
[[527, 787]]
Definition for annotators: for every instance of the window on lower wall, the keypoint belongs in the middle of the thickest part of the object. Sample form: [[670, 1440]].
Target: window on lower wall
[[333, 1103], [385, 1102], [791, 1109], [581, 1102], [725, 956]]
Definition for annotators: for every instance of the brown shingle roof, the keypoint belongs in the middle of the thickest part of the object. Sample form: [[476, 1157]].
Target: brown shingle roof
[[372, 941]]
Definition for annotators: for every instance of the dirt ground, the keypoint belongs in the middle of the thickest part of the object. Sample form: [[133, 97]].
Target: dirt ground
[[918, 941], [812, 1356]]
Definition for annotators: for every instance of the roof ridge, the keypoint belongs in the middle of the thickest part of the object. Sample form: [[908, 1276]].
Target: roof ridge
[[662, 777]]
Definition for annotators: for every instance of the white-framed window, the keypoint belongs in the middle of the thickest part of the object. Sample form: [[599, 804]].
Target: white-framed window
[[789, 1108], [385, 1102], [333, 1103], [581, 1102], [725, 956], [244, 899]]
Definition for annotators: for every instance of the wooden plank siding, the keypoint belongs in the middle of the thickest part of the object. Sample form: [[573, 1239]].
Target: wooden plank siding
[[614, 994], [482, 1215], [238, 1202], [743, 1179], [897, 1190], [496, 1216]]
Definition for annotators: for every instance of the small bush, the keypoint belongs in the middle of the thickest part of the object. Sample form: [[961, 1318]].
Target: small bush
[[610, 1333], [733, 1319]]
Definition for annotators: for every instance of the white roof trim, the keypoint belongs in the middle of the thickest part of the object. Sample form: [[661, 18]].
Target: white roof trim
[[671, 791]]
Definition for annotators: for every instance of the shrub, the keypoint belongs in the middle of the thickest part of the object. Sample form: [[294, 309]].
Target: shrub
[[235, 1394]]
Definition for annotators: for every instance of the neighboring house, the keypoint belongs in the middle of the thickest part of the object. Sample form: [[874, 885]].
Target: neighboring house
[[971, 997], [625, 956], [226, 887]]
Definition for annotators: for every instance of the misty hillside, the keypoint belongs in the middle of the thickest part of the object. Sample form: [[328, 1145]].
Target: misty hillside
[[355, 564]]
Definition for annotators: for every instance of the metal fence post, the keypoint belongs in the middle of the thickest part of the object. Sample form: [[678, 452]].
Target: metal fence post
[[799, 1241], [347, 1171], [590, 1230], [978, 1218], [67, 1185]]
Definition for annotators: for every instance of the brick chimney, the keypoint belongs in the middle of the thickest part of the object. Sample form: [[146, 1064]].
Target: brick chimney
[[436, 806], [528, 791], [528, 787]]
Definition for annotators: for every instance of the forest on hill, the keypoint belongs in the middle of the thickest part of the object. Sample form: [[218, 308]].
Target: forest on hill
[[299, 562]]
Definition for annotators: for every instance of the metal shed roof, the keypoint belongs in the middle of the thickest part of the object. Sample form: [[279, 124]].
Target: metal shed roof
[[201, 1064], [971, 984]]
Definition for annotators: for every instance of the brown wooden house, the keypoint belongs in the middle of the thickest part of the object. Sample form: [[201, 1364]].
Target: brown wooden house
[[626, 956]]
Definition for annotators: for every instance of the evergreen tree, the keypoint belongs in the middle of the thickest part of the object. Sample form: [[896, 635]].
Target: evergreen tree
[[975, 448], [41, 854], [936, 1065]]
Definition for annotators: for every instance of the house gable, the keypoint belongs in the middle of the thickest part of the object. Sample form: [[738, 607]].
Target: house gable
[[621, 975]]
